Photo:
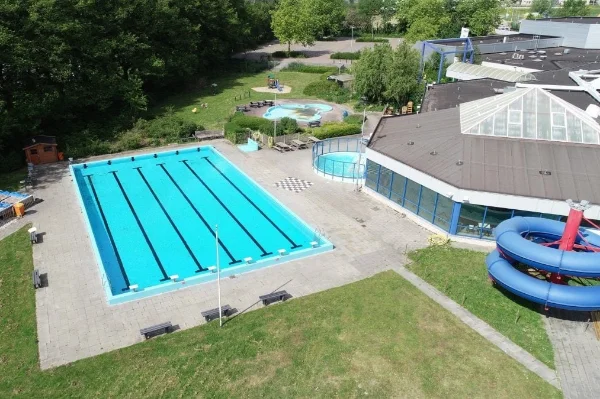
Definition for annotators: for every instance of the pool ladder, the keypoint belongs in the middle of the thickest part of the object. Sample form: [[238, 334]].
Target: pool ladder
[[319, 234]]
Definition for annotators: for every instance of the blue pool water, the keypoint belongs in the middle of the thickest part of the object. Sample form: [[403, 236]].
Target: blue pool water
[[155, 216], [299, 112], [341, 164]]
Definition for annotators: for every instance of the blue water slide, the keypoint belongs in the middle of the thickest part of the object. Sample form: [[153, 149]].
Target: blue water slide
[[540, 291], [511, 239], [511, 242]]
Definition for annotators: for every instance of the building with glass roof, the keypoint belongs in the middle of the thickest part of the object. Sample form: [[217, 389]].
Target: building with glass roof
[[463, 170]]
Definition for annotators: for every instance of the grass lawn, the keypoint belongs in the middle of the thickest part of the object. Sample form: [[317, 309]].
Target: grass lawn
[[10, 181], [379, 337], [222, 104], [462, 275]]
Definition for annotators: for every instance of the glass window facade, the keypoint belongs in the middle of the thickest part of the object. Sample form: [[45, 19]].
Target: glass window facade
[[476, 221]]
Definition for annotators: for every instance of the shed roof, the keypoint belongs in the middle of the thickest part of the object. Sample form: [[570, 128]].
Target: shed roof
[[40, 139]]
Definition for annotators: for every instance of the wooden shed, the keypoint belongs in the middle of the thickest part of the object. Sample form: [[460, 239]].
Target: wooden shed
[[41, 149]]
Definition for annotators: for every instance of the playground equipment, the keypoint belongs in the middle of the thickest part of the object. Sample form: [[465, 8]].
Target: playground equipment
[[550, 254], [272, 82]]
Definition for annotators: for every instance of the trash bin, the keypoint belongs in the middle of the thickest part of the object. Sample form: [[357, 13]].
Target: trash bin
[[19, 209]]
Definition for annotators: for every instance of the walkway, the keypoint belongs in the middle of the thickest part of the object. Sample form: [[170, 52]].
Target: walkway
[[576, 353]]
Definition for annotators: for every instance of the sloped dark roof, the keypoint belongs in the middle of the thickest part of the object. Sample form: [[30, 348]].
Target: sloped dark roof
[[450, 95], [491, 164], [41, 139]]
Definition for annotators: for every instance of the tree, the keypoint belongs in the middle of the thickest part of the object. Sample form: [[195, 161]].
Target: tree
[[402, 74], [425, 18], [370, 9], [480, 16], [302, 21], [573, 8], [386, 75], [542, 7]]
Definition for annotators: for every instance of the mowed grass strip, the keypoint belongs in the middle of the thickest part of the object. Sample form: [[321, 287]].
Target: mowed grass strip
[[222, 104], [462, 275], [379, 337], [9, 181]]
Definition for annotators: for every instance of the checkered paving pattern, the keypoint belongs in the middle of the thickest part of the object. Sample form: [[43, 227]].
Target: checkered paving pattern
[[294, 184]]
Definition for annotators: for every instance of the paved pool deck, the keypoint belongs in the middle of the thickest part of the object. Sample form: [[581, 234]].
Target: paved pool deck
[[75, 321]]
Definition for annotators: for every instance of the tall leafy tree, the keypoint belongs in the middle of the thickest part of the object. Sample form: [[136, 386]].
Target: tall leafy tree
[[542, 7], [386, 75], [425, 18], [480, 16], [573, 8]]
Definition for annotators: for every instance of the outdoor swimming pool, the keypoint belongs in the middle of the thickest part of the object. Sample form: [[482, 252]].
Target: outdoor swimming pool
[[153, 217], [299, 112], [339, 159]]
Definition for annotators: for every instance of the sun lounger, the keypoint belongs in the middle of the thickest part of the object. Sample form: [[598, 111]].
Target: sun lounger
[[282, 147], [299, 144], [312, 139], [270, 103], [242, 108], [314, 124]]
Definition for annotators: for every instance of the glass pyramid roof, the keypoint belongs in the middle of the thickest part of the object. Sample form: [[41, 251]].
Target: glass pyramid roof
[[529, 113]]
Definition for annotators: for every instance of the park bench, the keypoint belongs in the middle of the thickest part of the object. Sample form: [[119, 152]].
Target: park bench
[[254, 104], [273, 297], [242, 108], [37, 281], [214, 313], [158, 329], [314, 124], [33, 237], [270, 103]]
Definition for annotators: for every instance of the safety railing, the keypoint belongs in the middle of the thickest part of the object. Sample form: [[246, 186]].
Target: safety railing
[[334, 168]]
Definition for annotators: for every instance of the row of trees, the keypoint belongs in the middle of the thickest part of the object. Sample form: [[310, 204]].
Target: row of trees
[[569, 8], [73, 67]]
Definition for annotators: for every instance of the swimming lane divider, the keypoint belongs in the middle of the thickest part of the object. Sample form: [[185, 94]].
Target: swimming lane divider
[[294, 245], [139, 223], [196, 261], [264, 253], [110, 236], [233, 260]]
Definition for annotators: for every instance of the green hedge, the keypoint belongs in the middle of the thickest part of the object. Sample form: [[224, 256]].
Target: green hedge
[[347, 55], [335, 129], [355, 119], [372, 40], [235, 133], [247, 121], [300, 67], [291, 54], [328, 90]]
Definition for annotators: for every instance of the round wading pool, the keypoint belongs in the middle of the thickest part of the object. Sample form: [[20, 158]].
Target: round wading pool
[[339, 159], [299, 112]]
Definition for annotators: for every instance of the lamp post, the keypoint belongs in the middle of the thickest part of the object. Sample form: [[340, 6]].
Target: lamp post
[[352, 41]]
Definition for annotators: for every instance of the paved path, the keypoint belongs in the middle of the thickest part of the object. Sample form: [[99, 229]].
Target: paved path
[[484, 329], [576, 353]]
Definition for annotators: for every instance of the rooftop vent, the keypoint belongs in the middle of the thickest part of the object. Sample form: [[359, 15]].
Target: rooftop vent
[[459, 162], [498, 91], [411, 143], [545, 172], [433, 153], [566, 51], [593, 110]]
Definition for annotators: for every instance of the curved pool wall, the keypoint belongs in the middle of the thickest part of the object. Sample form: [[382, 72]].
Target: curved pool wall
[[341, 159], [299, 112]]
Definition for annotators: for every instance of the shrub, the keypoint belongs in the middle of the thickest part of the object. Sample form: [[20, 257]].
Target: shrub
[[372, 40], [328, 91], [129, 140], [247, 121], [345, 55], [288, 125], [335, 129], [300, 67], [291, 54], [11, 161], [235, 133], [171, 128], [355, 119], [268, 128]]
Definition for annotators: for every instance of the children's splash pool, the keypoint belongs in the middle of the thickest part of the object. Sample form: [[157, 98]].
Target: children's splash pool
[[299, 112]]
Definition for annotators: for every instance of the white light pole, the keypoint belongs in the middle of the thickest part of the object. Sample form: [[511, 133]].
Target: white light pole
[[362, 135], [352, 41], [218, 275]]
